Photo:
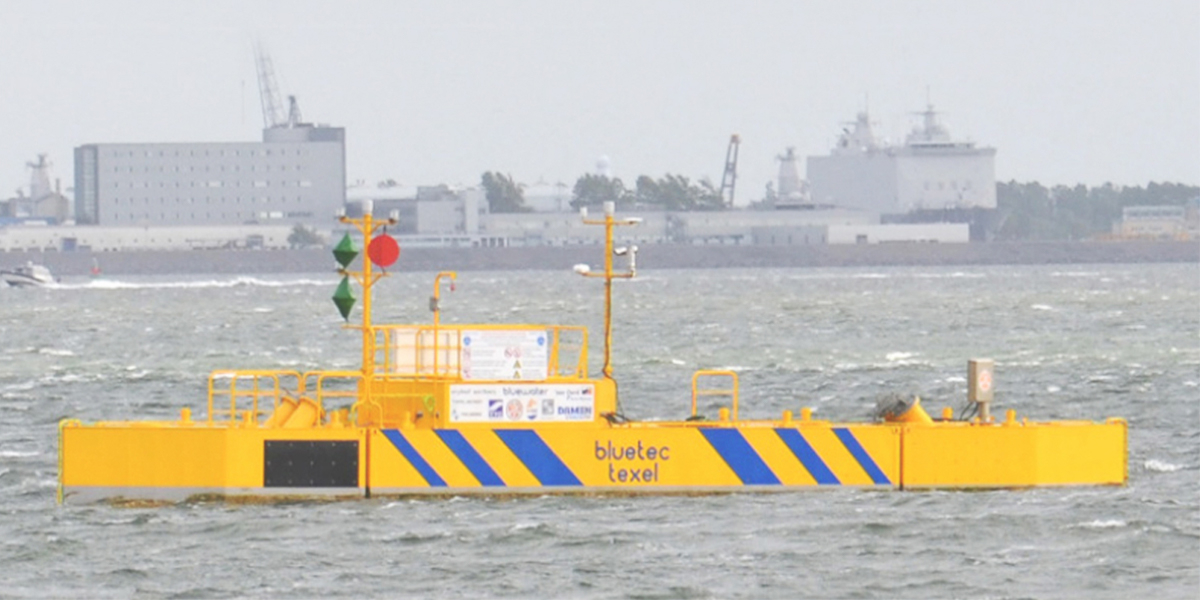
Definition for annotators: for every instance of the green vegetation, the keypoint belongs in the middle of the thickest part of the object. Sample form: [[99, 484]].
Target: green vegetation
[[503, 194], [672, 192], [594, 190], [675, 192], [303, 237], [1031, 211]]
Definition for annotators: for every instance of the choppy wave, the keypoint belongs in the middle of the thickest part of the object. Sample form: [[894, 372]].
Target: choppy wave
[[861, 332]]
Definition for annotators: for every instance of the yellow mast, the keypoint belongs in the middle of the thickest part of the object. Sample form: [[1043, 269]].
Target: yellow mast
[[365, 278], [609, 222]]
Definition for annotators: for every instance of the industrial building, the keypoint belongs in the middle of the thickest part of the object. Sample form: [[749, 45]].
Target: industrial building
[[734, 227], [295, 175], [1155, 222], [930, 171], [427, 216]]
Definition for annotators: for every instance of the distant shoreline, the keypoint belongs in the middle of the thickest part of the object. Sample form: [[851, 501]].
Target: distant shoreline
[[183, 262]]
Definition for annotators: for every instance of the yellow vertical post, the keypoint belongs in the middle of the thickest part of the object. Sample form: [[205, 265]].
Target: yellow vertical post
[[435, 304], [608, 275], [368, 349], [367, 226]]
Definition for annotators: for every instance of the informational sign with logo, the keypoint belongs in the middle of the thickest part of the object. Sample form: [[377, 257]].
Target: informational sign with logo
[[497, 403], [517, 355]]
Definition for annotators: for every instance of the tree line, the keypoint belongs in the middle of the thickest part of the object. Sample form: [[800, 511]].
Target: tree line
[[670, 192], [1031, 211], [1024, 211]]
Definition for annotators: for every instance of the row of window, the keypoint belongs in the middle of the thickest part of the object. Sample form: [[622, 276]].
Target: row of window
[[942, 185], [135, 217], [212, 183], [112, 153], [208, 200], [207, 168]]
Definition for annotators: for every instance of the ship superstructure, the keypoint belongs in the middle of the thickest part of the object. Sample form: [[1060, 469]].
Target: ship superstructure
[[930, 171]]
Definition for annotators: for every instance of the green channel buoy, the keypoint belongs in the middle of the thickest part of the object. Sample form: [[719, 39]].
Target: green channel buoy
[[344, 298], [344, 251]]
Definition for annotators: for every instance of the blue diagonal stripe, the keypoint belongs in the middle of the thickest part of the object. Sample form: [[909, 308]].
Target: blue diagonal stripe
[[469, 457], [410, 453], [740, 456], [859, 454], [530, 449], [808, 457]]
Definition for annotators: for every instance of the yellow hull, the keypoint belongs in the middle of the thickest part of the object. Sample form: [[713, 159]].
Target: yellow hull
[[176, 461]]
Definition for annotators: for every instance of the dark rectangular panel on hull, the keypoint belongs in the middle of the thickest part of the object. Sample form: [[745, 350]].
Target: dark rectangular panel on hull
[[310, 464]]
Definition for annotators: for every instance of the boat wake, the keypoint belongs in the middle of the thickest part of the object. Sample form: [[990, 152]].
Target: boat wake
[[113, 284]]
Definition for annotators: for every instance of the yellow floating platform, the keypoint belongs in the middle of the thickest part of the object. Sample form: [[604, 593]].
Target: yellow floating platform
[[175, 461], [500, 410]]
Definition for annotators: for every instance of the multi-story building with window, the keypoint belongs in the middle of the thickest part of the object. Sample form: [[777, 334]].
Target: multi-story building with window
[[297, 174]]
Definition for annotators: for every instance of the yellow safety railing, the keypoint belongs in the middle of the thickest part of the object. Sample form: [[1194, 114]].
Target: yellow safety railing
[[251, 384], [270, 387], [559, 346], [374, 408], [731, 391], [319, 382]]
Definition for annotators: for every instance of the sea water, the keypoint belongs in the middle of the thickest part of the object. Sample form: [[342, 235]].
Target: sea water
[[1070, 342]]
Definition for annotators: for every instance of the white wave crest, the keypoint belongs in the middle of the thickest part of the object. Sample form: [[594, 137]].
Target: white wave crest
[[1160, 466], [954, 275], [1103, 524]]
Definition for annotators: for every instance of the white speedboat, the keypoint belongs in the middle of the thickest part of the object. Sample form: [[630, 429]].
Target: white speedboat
[[27, 275]]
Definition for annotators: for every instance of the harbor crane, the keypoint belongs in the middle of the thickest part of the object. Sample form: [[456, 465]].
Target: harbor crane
[[268, 89], [729, 178]]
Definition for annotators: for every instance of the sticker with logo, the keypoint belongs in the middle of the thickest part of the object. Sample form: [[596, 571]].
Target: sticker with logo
[[514, 410]]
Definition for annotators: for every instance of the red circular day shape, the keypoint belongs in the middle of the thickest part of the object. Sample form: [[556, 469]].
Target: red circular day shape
[[383, 250]]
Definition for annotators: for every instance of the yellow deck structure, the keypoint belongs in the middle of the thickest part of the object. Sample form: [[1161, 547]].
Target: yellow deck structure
[[512, 409]]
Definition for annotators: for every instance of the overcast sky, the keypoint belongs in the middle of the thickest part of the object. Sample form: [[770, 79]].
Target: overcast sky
[[439, 92]]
